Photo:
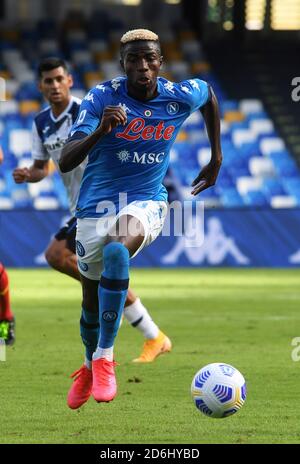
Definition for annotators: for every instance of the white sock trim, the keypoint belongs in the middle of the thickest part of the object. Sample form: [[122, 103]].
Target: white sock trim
[[88, 363], [137, 311], [107, 353]]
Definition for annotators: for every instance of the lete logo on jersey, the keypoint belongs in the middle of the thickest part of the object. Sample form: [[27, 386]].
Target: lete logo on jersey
[[137, 129]]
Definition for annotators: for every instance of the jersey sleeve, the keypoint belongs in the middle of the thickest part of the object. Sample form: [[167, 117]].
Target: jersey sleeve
[[196, 92], [38, 150], [90, 114]]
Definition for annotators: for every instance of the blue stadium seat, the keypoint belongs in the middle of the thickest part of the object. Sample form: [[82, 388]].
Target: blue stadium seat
[[292, 185], [230, 198], [272, 187], [28, 91], [286, 167], [255, 198]]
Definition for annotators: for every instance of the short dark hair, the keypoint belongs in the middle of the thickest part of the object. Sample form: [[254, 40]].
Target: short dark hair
[[53, 62]]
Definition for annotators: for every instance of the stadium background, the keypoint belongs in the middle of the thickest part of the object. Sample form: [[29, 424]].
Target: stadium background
[[247, 50]]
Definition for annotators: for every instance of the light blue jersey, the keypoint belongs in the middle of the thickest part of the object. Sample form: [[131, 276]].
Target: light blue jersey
[[134, 158]]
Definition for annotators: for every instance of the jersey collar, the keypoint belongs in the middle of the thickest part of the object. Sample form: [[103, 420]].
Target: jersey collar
[[62, 115]]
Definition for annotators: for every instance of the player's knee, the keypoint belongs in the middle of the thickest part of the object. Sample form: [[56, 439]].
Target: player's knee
[[54, 258], [116, 258]]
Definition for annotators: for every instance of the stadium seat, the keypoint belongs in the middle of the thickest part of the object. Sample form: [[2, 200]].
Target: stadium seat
[[231, 116], [9, 107], [261, 126], [255, 198], [6, 202], [29, 106], [286, 167], [241, 136], [11, 86], [20, 141], [246, 184], [257, 168], [37, 188], [81, 56], [92, 78], [179, 69], [42, 203], [261, 167], [48, 47], [230, 198], [247, 106], [273, 187], [292, 185], [98, 45], [286, 201], [203, 156], [271, 144]]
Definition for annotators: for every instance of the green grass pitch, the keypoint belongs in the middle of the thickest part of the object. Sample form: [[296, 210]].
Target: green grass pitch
[[246, 318]]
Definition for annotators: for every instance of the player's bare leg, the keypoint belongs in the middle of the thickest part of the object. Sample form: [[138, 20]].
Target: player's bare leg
[[62, 259], [81, 388], [112, 294]]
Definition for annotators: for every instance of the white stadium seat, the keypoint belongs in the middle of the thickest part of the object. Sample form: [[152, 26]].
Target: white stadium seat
[[271, 144], [12, 86], [9, 107], [6, 203], [20, 141], [241, 136], [245, 184], [248, 106], [48, 46], [261, 126], [81, 57], [98, 45], [45, 185], [283, 201], [203, 156], [46, 203], [79, 93], [260, 166]]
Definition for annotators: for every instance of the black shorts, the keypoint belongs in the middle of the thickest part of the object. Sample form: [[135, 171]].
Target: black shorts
[[68, 233]]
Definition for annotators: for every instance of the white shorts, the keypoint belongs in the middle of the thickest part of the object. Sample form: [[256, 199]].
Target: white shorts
[[91, 235]]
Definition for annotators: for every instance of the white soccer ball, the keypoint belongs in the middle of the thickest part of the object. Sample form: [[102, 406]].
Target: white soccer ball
[[218, 390]]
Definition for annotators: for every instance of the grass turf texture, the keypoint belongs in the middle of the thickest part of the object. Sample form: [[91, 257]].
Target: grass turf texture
[[246, 318]]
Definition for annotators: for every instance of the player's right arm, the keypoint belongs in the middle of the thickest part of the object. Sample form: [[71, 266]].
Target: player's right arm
[[34, 173], [39, 169], [93, 123], [1, 155]]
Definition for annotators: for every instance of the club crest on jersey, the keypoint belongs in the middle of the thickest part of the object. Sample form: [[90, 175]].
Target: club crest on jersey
[[172, 108], [137, 129], [83, 266], [80, 248], [109, 316]]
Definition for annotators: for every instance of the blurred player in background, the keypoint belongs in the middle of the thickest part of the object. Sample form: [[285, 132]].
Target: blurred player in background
[[7, 320], [127, 127], [50, 132]]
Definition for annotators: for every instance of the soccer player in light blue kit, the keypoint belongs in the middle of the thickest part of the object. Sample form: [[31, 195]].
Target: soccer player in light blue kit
[[127, 127], [51, 128]]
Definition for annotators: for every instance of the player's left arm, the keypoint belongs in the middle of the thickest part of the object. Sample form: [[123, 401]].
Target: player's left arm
[[1, 155], [209, 173]]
